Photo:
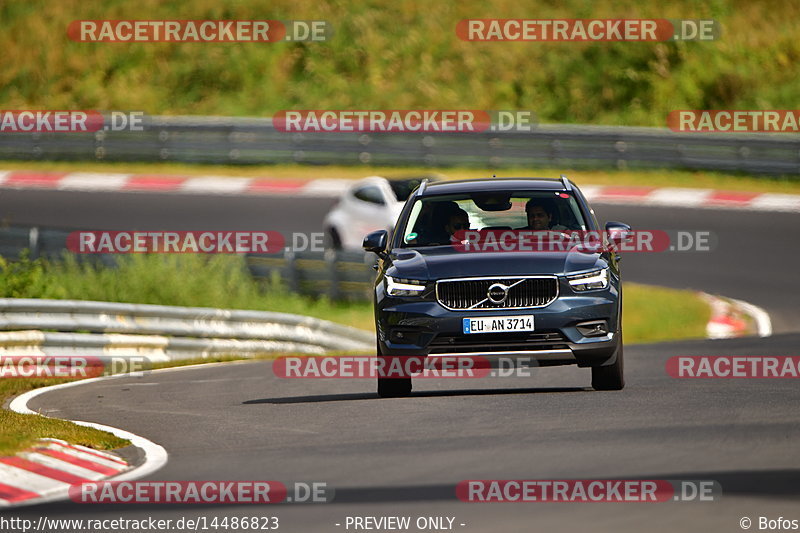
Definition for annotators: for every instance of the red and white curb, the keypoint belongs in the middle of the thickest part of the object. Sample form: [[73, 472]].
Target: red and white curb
[[111, 182], [735, 318], [45, 472], [694, 198], [223, 185], [50, 467]]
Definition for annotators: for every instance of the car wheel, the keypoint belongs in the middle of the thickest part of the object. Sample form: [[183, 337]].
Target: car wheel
[[392, 387], [610, 377], [332, 240]]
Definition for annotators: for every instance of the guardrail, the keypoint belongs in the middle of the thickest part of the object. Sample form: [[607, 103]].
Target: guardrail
[[339, 275], [251, 141], [39, 242], [160, 333]]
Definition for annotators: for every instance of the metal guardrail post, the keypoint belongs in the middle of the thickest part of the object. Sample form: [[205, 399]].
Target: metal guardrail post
[[333, 273], [292, 276], [33, 242]]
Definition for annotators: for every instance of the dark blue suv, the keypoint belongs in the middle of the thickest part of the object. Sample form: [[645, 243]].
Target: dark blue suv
[[472, 269]]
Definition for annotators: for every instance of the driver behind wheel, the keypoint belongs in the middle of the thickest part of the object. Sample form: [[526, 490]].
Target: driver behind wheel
[[458, 221]]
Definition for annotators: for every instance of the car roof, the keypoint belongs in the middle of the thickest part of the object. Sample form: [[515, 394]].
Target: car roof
[[368, 180], [493, 184], [375, 179]]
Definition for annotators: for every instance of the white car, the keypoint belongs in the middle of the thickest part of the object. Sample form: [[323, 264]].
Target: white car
[[370, 204]]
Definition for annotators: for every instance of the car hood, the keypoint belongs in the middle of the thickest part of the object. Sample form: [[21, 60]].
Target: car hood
[[444, 262]]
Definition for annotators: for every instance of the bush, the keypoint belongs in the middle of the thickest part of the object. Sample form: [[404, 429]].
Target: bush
[[403, 54]]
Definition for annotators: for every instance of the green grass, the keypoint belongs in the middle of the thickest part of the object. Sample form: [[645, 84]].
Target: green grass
[[400, 55], [655, 314], [18, 432], [638, 178], [185, 280]]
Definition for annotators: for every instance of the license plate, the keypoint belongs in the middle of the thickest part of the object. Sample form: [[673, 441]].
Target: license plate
[[498, 324]]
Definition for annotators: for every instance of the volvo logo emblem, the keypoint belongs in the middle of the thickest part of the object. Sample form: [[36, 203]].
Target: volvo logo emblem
[[497, 293]]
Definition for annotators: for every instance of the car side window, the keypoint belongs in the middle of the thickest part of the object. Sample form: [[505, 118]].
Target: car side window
[[369, 194]]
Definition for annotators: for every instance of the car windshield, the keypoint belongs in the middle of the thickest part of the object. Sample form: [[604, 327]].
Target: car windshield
[[434, 220]]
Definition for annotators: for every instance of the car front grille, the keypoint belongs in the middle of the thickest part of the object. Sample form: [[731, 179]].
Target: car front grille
[[472, 293], [487, 343]]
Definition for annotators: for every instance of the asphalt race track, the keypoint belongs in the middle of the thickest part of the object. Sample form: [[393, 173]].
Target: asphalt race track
[[403, 457]]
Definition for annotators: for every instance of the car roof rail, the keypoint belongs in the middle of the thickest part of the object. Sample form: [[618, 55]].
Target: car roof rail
[[566, 182], [422, 186]]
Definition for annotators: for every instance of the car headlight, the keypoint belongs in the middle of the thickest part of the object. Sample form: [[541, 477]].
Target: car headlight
[[597, 279], [404, 287]]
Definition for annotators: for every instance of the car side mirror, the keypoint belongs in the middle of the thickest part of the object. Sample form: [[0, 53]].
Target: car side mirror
[[618, 232], [376, 242]]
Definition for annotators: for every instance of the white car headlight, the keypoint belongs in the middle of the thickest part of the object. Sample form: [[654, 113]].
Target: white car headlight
[[597, 279], [404, 287]]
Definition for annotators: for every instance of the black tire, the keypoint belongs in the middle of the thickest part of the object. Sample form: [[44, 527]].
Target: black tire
[[392, 387], [610, 377], [331, 240]]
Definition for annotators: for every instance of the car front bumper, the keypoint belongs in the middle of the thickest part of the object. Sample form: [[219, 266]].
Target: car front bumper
[[414, 327]]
